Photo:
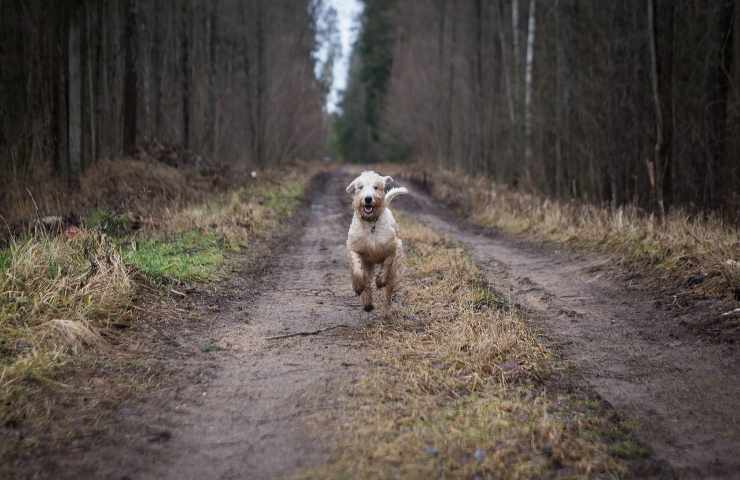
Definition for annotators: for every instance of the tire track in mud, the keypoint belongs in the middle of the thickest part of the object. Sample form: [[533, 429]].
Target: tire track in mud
[[681, 392]]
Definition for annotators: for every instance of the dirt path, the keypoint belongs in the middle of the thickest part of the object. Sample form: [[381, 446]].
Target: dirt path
[[682, 393], [247, 411], [251, 422]]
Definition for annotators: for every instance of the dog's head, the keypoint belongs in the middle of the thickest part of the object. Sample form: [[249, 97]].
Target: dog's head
[[368, 192]]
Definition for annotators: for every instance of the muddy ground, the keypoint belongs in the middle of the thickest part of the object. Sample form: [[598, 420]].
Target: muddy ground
[[237, 402]]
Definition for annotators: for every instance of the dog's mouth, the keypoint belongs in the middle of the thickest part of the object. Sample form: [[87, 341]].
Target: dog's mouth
[[367, 210]]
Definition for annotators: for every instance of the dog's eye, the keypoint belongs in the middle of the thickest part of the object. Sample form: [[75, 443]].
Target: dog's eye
[[376, 187]]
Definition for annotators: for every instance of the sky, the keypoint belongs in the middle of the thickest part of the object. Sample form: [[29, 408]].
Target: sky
[[347, 11]]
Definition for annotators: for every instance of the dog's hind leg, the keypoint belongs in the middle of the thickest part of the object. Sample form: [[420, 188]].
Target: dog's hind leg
[[390, 278]]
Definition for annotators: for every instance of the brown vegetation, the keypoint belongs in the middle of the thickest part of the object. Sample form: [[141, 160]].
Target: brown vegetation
[[457, 387], [64, 296], [682, 245]]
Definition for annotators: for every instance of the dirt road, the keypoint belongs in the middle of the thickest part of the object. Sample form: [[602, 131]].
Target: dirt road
[[247, 410], [681, 393], [251, 419]]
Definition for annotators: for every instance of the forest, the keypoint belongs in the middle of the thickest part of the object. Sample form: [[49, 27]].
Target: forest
[[614, 103], [231, 82]]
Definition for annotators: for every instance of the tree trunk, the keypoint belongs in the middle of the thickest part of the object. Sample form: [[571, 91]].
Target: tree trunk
[[74, 100], [101, 99], [732, 152], [564, 88], [212, 71], [61, 112], [717, 87], [261, 84], [130, 80], [248, 87], [157, 67], [441, 72], [449, 125], [88, 99], [660, 34], [506, 70], [185, 72], [528, 165]]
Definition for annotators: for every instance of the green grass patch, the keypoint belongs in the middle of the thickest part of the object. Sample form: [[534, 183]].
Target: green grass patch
[[189, 256], [4, 260], [283, 200], [108, 222]]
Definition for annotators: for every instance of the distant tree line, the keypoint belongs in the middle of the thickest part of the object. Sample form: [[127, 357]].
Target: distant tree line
[[635, 101], [230, 80]]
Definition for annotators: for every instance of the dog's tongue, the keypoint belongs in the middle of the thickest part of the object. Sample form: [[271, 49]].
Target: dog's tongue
[[368, 209]]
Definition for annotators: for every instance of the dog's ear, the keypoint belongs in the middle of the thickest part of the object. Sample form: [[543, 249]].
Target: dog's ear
[[351, 187], [388, 180]]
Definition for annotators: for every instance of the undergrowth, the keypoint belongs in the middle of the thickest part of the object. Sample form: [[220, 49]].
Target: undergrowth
[[61, 293], [457, 389], [682, 245]]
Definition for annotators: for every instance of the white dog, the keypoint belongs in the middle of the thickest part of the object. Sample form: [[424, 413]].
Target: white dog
[[373, 237]]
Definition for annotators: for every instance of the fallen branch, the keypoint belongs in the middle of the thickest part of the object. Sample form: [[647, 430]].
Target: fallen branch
[[306, 334]]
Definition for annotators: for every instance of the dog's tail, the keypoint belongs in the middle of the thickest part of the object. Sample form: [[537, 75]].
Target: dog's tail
[[393, 193]]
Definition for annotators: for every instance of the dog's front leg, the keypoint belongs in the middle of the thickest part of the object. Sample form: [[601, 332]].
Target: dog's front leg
[[386, 272], [367, 294], [359, 278]]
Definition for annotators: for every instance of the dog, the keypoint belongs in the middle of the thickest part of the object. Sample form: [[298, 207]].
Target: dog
[[373, 237]]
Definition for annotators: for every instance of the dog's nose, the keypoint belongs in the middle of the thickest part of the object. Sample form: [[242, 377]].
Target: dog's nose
[[368, 200]]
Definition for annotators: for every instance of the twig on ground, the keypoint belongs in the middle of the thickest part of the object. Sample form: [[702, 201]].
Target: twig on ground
[[306, 334]]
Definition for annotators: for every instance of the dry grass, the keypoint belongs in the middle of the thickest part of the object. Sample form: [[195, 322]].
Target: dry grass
[[243, 214], [125, 185], [682, 245], [56, 295], [61, 293], [457, 389]]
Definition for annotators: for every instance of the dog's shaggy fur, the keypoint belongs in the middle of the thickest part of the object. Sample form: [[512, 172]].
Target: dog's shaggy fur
[[373, 237]]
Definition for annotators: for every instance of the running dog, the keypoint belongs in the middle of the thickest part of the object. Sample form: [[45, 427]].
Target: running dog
[[373, 237]]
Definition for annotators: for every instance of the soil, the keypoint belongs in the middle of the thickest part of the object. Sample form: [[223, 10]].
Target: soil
[[267, 354]]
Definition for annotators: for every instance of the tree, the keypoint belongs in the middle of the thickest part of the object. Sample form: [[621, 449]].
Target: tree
[[130, 102], [84, 80], [660, 25], [568, 98]]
